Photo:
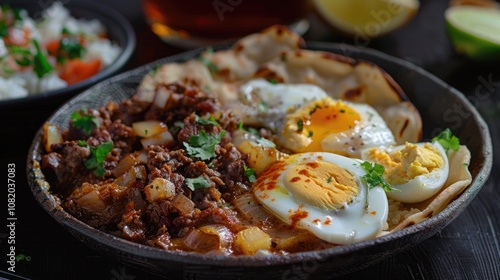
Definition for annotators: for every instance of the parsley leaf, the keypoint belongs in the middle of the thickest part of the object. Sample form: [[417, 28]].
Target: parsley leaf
[[300, 126], [97, 156], [87, 123], [211, 66], [374, 176], [273, 81], [447, 140], [250, 172], [197, 183], [41, 65], [211, 120], [69, 47], [202, 146]]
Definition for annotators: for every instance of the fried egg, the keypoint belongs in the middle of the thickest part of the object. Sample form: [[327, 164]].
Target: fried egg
[[325, 194], [418, 171], [263, 103], [336, 126]]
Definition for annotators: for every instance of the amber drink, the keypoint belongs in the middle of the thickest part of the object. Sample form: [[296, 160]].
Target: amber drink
[[194, 22]]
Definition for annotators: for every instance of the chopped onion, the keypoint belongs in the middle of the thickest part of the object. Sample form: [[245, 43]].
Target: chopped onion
[[162, 96], [209, 238], [164, 137], [142, 157], [134, 174], [51, 135], [124, 165], [149, 128], [183, 204], [92, 202], [251, 240], [251, 209], [259, 157], [160, 188]]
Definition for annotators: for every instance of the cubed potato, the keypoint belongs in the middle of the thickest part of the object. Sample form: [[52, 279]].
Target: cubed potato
[[134, 174], [164, 137], [160, 188], [251, 240], [149, 128], [51, 135], [259, 157]]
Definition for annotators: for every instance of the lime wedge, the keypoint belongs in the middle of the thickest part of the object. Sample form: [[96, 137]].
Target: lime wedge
[[366, 18], [474, 31]]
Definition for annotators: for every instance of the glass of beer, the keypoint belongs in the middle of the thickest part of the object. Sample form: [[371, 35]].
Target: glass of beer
[[193, 23]]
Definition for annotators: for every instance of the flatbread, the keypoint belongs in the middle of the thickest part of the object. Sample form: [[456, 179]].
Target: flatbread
[[276, 53]]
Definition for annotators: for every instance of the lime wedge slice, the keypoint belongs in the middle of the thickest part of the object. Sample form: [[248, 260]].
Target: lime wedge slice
[[474, 31]]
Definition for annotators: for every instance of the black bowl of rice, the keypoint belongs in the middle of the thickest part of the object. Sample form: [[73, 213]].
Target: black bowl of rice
[[50, 51]]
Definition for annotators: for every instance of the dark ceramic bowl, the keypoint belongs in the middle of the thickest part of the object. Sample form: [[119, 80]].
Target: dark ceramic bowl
[[119, 31], [430, 95]]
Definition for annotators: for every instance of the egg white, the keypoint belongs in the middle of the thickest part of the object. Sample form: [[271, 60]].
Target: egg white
[[421, 187], [263, 103], [362, 219], [370, 131]]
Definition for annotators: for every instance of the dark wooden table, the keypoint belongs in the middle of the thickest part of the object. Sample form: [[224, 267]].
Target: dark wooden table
[[469, 248]]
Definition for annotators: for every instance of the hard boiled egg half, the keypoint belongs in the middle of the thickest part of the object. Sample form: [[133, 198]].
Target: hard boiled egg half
[[418, 171], [325, 194]]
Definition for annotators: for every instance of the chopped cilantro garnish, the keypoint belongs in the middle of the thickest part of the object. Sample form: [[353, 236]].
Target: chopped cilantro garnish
[[211, 66], [82, 143], [197, 183], [300, 126], [310, 134], [240, 125], [3, 28], [316, 107], [447, 140], [87, 123], [40, 64], [273, 81], [69, 47], [250, 172], [202, 146], [374, 176], [22, 257], [97, 156], [329, 180], [22, 56], [211, 120], [342, 111]]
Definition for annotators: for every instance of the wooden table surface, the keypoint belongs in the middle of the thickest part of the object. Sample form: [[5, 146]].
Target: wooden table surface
[[469, 248]]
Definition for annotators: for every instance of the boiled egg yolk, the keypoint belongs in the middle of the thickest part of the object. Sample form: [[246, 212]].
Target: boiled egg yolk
[[321, 184], [325, 194], [418, 171]]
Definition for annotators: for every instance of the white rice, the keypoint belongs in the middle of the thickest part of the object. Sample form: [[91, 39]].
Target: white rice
[[54, 19]]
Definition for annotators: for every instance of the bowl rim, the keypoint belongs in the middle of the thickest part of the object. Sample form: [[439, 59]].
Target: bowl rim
[[443, 218], [122, 24]]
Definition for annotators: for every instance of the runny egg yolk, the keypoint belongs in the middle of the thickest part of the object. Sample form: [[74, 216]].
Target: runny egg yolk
[[326, 118]]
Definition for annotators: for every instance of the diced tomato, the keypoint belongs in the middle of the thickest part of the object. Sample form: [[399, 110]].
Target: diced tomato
[[76, 70], [52, 47]]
